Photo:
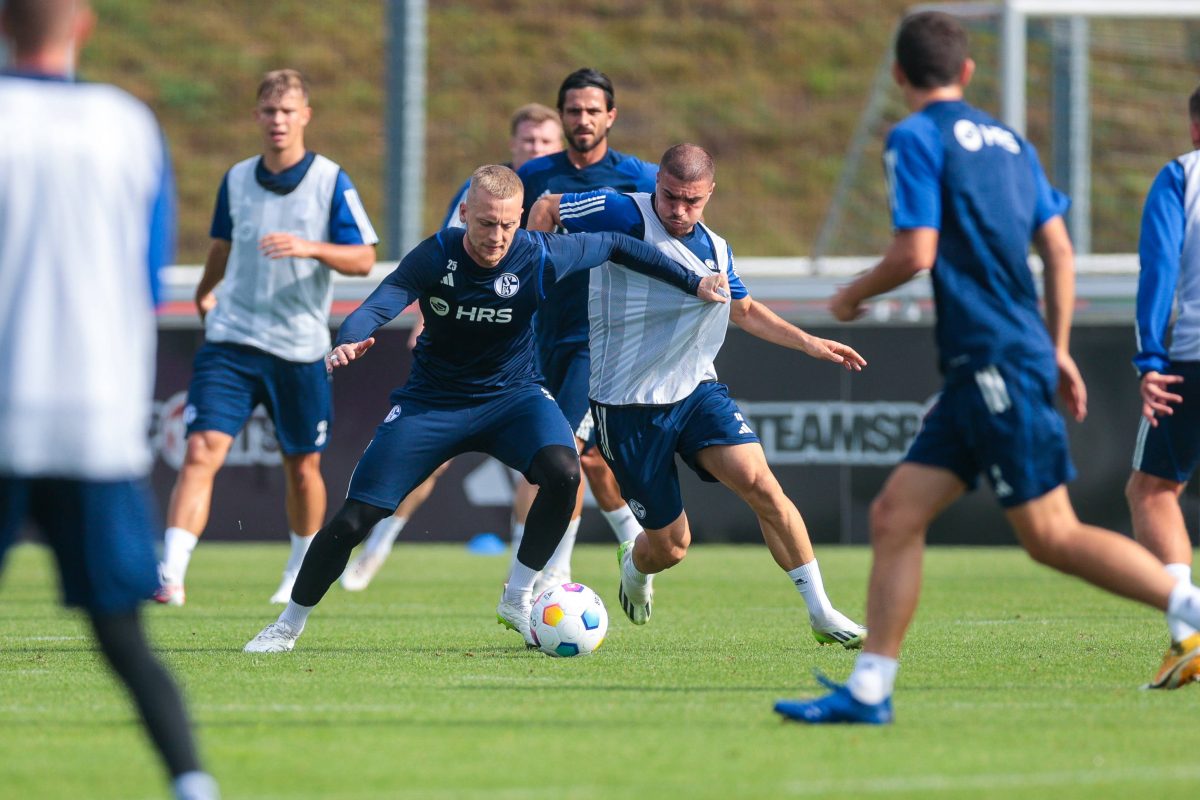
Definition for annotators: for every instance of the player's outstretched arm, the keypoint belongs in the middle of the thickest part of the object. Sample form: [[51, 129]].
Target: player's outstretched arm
[[1058, 259], [343, 354], [910, 252], [571, 253], [758, 320]]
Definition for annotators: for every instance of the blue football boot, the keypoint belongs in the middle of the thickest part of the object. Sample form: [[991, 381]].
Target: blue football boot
[[838, 706]]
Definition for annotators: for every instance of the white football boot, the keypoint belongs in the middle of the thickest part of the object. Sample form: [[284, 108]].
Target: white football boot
[[357, 576], [278, 637]]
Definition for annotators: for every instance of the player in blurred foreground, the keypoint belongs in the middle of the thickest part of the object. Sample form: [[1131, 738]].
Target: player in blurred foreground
[[534, 131], [654, 389], [473, 386], [968, 195], [1168, 441], [87, 219], [284, 222]]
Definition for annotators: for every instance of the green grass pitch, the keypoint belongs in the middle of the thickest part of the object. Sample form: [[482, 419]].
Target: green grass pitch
[[1015, 682]]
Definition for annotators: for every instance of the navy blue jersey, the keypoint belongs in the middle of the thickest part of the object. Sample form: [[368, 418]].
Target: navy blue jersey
[[478, 338], [564, 317], [954, 168]]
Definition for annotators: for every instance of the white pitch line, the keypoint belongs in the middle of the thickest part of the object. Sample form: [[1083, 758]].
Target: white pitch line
[[1095, 776]]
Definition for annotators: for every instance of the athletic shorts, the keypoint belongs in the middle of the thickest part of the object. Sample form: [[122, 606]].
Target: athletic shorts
[[230, 380], [640, 443], [1000, 422], [567, 369], [102, 534], [416, 438], [1172, 449]]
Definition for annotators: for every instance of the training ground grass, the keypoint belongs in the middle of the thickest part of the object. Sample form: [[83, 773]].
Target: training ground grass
[[1015, 682]]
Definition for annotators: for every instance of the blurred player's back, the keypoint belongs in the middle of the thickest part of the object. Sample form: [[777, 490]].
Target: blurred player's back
[[82, 169]]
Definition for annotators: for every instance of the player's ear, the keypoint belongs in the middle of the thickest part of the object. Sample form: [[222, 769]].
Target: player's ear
[[612, 116], [462, 212], [1195, 126], [898, 75], [968, 71]]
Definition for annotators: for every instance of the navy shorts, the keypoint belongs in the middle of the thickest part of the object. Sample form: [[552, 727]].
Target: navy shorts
[[567, 369], [1172, 449], [1000, 422], [640, 443], [230, 380], [102, 534], [416, 438]]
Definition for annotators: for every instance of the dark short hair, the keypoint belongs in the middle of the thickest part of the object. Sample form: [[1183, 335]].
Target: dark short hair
[[583, 79], [1194, 105], [931, 49], [34, 24], [688, 163]]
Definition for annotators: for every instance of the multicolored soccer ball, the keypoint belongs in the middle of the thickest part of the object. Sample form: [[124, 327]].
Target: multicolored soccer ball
[[568, 620]]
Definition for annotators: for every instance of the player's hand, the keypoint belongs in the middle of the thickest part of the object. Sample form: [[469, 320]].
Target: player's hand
[[343, 354], [205, 304], [838, 353], [844, 307], [1071, 387], [714, 288], [285, 245], [1157, 397]]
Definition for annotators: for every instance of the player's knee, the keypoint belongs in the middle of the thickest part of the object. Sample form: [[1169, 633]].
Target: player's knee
[[1143, 490], [556, 470], [304, 470], [203, 453], [353, 521], [890, 521]]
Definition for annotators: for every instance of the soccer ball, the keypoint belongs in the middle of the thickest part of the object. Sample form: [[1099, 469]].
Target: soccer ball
[[568, 620]]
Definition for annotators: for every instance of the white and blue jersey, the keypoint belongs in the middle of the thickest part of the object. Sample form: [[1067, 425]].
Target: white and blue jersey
[[1169, 281], [474, 383], [563, 319], [955, 169], [650, 346], [87, 219], [281, 306]]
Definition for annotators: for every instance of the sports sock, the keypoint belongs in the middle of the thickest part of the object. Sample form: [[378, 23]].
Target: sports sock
[[873, 678], [158, 700], [561, 559], [178, 545], [631, 573], [520, 584], [807, 578], [383, 535], [295, 615], [623, 522], [195, 786], [1183, 606], [518, 533], [299, 548], [1179, 629]]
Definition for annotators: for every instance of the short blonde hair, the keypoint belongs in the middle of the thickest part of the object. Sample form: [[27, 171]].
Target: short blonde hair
[[279, 82], [535, 113], [498, 181]]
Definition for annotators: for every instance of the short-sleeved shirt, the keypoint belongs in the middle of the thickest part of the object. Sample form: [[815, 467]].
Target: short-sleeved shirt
[[563, 319], [281, 306], [953, 168]]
